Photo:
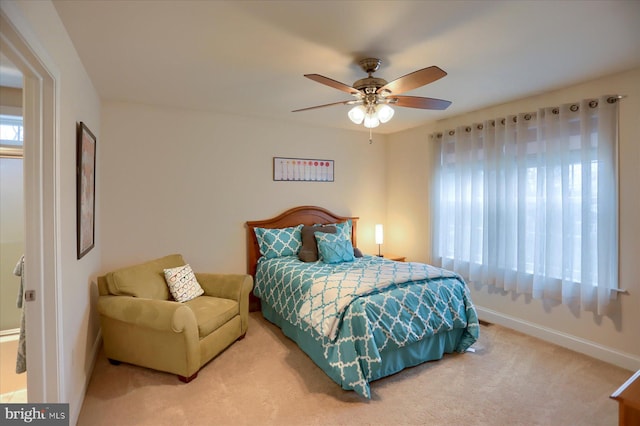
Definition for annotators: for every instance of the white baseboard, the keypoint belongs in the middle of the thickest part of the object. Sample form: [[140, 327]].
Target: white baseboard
[[9, 335], [592, 349], [10, 332]]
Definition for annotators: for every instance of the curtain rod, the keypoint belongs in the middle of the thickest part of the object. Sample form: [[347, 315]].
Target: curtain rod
[[528, 116]]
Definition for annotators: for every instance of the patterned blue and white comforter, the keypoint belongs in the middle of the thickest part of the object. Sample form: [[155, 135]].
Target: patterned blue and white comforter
[[356, 310]]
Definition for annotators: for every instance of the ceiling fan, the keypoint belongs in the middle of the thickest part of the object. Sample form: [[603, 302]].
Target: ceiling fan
[[373, 96]]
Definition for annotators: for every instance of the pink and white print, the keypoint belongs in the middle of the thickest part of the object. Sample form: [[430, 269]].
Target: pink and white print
[[302, 169]]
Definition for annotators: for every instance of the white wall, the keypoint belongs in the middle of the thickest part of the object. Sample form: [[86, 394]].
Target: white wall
[[408, 227], [77, 100], [11, 219], [186, 181], [11, 239], [615, 338]]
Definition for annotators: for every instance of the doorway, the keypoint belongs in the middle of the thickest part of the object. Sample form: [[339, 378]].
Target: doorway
[[13, 386], [42, 264]]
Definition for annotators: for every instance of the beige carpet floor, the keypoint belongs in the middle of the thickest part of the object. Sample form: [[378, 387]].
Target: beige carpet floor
[[511, 379]]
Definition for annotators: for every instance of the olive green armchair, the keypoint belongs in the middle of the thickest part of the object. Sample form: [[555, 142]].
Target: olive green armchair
[[143, 325]]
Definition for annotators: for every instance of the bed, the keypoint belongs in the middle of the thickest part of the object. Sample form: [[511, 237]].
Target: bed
[[359, 317]]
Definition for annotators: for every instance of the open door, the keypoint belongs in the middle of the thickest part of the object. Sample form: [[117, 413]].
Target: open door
[[41, 271], [13, 386]]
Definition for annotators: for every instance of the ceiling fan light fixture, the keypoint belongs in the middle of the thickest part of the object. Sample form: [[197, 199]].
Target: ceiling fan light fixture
[[371, 120], [374, 95], [357, 114], [384, 112]]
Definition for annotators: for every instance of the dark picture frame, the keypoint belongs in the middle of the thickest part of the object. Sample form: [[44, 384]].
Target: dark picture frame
[[86, 185], [302, 169]]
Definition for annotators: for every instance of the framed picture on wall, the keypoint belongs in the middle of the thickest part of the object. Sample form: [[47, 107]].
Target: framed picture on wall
[[302, 169], [86, 185]]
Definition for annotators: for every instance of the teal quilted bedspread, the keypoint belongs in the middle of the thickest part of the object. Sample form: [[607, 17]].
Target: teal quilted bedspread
[[355, 310]]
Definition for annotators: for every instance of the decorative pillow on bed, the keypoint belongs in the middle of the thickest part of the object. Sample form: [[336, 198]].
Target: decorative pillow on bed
[[279, 242], [333, 248], [309, 250], [344, 229], [182, 283]]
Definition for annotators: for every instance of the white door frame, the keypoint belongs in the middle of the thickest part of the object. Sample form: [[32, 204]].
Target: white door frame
[[45, 382]]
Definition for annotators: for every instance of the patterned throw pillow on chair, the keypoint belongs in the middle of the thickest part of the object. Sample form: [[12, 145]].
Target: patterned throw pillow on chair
[[182, 283]]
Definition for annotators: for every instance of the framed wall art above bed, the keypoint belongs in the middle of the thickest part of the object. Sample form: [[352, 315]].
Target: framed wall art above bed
[[302, 170]]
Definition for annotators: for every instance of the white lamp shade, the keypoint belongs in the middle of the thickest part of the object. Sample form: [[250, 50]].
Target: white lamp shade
[[379, 234], [356, 114], [371, 121], [385, 112]]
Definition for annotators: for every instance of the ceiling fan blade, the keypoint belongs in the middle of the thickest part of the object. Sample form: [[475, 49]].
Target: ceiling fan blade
[[325, 105], [413, 80], [332, 83], [422, 103]]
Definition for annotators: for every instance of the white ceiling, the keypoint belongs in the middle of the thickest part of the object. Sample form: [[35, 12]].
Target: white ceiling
[[249, 57]]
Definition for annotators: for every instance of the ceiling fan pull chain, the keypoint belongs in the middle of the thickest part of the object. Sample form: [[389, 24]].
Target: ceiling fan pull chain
[[370, 136]]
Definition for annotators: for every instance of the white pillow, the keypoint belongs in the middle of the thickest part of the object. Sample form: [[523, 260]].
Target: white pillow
[[182, 283]]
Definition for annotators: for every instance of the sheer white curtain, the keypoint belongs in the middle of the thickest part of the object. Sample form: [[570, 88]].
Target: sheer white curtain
[[528, 203]]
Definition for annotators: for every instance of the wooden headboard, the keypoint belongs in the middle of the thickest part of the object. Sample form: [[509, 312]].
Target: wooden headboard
[[306, 215]]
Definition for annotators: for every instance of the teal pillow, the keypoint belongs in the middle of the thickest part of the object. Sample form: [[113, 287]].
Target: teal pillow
[[279, 242], [333, 248], [343, 229], [309, 250]]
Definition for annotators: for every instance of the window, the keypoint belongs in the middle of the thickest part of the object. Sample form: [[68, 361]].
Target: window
[[528, 203], [11, 137]]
